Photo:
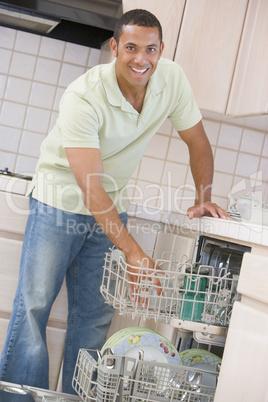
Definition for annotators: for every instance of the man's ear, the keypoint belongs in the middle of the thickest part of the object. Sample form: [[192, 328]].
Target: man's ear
[[162, 48], [113, 46]]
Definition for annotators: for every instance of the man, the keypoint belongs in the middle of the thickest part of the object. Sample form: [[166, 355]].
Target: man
[[106, 119]]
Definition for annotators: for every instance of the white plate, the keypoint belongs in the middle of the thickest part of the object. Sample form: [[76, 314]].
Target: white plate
[[128, 342]]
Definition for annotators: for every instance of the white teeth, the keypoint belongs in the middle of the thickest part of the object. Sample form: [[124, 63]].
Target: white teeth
[[139, 71]]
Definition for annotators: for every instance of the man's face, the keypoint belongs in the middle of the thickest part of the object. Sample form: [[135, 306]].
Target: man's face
[[137, 53]]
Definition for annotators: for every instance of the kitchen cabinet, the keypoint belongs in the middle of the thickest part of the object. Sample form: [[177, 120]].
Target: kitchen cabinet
[[169, 14], [13, 216], [249, 92], [243, 371], [207, 48]]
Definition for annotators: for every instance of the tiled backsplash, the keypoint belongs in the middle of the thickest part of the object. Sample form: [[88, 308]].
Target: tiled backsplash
[[34, 72]]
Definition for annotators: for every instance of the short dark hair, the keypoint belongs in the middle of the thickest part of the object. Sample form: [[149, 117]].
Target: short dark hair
[[138, 17]]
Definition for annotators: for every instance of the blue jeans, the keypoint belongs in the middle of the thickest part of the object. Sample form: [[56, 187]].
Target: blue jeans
[[56, 244]]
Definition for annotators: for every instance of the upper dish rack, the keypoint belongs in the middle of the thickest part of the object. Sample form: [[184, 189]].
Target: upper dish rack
[[192, 296]]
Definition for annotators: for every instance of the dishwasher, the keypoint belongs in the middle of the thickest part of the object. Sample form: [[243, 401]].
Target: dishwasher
[[195, 297]]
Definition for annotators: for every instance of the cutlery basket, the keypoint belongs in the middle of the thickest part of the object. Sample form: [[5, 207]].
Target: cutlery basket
[[127, 380], [192, 296]]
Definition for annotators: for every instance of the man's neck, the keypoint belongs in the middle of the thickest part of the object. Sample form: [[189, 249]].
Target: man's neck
[[135, 96]]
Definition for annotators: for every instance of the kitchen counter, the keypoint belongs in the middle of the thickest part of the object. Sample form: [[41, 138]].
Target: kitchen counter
[[238, 232], [14, 209]]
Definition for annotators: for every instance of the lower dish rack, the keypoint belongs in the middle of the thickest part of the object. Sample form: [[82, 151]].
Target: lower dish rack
[[123, 379], [192, 296]]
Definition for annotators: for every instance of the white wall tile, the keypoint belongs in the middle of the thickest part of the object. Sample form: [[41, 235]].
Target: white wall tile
[[170, 199], [42, 95], [230, 136], [3, 80], [166, 128], [146, 193], [222, 184], [37, 120], [213, 149], [22, 65], [69, 73], [94, 57], [252, 142], [53, 119], [174, 174], [8, 160], [212, 129], [147, 212], [59, 93], [136, 172], [265, 146], [188, 200], [5, 60], [28, 42], [18, 90], [264, 168], [25, 165], [151, 169], [30, 144], [12, 114], [76, 54], [247, 164], [241, 186], [222, 202], [130, 188], [47, 71], [157, 146], [52, 48], [9, 138], [178, 151], [7, 37], [225, 160]]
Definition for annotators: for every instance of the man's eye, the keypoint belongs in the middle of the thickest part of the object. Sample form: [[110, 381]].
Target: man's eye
[[151, 49], [131, 48]]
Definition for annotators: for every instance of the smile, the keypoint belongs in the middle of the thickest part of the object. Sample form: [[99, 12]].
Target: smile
[[139, 71]]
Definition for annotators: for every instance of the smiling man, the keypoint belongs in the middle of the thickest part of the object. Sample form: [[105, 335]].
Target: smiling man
[[77, 200], [137, 51]]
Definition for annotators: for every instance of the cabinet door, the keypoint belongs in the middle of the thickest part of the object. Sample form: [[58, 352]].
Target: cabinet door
[[249, 93], [243, 376], [244, 366], [208, 46], [13, 212], [169, 15]]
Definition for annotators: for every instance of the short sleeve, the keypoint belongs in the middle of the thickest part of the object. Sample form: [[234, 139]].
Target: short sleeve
[[186, 113], [78, 122]]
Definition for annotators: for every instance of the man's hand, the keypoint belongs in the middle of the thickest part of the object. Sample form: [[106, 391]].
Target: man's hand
[[207, 209], [142, 268]]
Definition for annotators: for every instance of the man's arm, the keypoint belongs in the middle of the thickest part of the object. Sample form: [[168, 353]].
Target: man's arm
[[201, 163], [87, 167]]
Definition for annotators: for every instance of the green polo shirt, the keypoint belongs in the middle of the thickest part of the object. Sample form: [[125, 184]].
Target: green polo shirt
[[93, 113]]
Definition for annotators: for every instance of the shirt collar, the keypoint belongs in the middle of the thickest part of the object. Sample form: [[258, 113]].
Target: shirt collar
[[111, 87]]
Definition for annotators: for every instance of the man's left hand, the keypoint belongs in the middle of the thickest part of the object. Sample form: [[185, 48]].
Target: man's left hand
[[207, 209]]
